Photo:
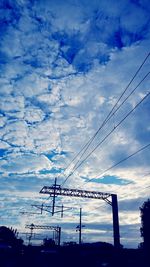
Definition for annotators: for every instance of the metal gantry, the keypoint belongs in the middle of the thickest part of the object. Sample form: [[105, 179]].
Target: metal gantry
[[56, 190], [74, 193], [57, 230]]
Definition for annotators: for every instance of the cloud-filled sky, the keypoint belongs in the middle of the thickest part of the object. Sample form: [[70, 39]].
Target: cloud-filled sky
[[63, 66]]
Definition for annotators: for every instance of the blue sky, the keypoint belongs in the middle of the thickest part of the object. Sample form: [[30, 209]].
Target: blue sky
[[63, 65]]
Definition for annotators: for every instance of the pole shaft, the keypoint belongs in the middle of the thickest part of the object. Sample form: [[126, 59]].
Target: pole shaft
[[80, 226], [115, 221], [54, 196], [59, 235]]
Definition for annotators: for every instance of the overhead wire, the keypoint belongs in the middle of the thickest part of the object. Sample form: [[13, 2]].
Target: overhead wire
[[102, 141], [113, 166], [139, 190], [111, 113], [108, 117], [114, 113], [121, 161]]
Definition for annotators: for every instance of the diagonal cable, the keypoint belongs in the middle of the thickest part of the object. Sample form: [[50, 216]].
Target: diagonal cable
[[128, 114], [111, 113]]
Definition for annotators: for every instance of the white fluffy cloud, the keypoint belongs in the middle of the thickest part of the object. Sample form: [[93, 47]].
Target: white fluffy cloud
[[63, 70], [26, 163]]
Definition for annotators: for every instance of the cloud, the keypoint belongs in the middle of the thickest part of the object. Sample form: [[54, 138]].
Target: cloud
[[25, 163], [12, 106], [110, 180], [63, 65]]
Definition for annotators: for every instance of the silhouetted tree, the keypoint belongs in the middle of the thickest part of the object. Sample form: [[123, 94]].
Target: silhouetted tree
[[9, 236], [145, 221], [6, 235]]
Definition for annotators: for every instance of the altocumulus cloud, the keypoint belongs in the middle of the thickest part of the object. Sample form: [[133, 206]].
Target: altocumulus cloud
[[63, 65]]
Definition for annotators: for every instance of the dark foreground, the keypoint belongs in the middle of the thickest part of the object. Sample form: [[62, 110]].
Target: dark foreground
[[74, 256]]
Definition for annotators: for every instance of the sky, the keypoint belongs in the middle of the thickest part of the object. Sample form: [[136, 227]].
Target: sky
[[63, 67]]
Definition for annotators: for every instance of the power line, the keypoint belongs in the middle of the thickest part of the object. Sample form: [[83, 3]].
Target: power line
[[139, 190], [146, 174], [107, 136], [114, 114], [116, 164], [128, 96], [111, 113]]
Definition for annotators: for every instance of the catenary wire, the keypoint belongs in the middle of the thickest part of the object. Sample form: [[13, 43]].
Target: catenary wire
[[124, 102], [121, 161], [106, 137], [113, 115], [139, 190], [86, 146]]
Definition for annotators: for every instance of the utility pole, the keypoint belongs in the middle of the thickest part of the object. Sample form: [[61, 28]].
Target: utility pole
[[54, 196], [59, 235], [31, 233], [80, 227]]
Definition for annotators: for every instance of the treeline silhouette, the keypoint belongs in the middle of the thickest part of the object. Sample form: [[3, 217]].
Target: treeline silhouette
[[13, 253]]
